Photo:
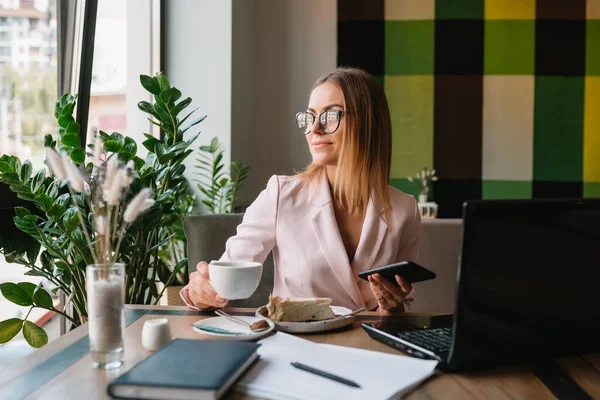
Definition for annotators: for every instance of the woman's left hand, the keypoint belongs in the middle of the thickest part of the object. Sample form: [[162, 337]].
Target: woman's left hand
[[389, 296]]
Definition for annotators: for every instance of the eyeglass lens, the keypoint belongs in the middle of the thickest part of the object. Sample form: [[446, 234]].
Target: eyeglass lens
[[329, 121]]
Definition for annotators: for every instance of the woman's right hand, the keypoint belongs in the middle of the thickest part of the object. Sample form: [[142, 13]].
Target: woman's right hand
[[201, 292]]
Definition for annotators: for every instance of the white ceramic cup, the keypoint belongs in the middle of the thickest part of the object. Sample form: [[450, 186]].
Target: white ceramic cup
[[235, 279], [156, 333]]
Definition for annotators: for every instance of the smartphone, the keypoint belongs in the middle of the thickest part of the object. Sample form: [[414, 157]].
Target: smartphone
[[409, 270]]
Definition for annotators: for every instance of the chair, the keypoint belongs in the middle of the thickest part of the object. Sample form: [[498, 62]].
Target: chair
[[206, 237], [439, 247]]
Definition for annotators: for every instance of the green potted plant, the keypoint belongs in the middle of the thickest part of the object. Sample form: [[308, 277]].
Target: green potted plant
[[424, 177], [219, 187], [152, 248]]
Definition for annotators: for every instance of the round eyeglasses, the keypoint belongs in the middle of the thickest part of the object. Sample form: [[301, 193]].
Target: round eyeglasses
[[329, 121]]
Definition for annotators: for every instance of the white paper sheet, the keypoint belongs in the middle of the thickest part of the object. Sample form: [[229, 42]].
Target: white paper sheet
[[380, 375]]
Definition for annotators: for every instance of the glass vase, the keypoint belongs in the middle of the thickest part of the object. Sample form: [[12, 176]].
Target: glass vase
[[106, 318]]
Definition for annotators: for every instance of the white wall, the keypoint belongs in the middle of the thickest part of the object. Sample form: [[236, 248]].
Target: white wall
[[294, 42], [249, 65], [243, 146], [198, 62]]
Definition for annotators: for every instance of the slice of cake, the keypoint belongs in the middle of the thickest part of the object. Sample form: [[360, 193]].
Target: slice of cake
[[298, 309]]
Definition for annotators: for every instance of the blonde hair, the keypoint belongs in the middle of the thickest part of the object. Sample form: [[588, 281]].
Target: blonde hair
[[363, 167]]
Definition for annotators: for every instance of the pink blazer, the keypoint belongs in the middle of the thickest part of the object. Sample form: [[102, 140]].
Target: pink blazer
[[299, 226]]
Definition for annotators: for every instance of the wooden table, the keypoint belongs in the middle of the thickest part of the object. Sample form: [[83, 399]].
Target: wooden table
[[61, 370]]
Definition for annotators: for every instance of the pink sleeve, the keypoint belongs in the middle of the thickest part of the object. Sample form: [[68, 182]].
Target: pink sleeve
[[409, 248], [185, 296], [255, 236]]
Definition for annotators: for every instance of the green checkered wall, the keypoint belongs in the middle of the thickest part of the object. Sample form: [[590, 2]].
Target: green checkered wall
[[501, 97]]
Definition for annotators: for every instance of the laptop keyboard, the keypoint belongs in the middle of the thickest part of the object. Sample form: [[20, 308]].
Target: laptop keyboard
[[437, 340]]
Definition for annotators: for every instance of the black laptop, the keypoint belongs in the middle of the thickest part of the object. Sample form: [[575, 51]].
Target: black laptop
[[528, 288]]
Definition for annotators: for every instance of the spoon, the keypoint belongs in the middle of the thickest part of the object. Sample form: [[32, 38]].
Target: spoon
[[355, 312], [253, 327]]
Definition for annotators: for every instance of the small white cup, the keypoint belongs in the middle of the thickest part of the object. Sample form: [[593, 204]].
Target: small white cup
[[235, 279], [156, 333]]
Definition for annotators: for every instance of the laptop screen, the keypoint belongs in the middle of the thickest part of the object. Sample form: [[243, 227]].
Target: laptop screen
[[530, 274]]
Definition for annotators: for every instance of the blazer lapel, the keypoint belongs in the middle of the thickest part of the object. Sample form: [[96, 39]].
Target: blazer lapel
[[328, 234], [371, 237]]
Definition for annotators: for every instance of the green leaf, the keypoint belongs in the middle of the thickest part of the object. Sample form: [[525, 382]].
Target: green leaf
[[44, 201], [112, 146], [130, 146], [26, 171], [64, 199], [68, 109], [165, 157], [180, 265], [64, 100], [150, 84], [25, 226], [160, 150], [170, 96], [118, 137], [32, 252], [16, 164], [48, 140], [71, 219], [33, 272], [5, 167], [150, 142], [77, 155], [38, 180], [15, 294], [28, 288], [162, 111], [125, 156], [65, 120], [71, 139], [62, 266], [42, 299], [21, 212], [9, 329], [146, 107], [52, 189], [56, 210], [195, 122], [73, 128], [181, 106], [34, 335], [11, 178], [163, 82]]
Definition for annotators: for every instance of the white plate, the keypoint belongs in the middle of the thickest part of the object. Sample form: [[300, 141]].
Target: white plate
[[224, 323], [339, 321]]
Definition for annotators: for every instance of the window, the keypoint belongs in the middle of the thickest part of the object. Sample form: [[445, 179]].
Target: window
[[27, 96], [122, 51]]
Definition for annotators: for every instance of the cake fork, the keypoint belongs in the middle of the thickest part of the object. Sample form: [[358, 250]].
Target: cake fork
[[241, 321]]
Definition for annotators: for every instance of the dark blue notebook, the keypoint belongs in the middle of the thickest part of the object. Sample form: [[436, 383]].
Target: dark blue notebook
[[186, 369]]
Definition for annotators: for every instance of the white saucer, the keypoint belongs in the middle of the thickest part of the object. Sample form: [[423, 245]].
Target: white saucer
[[232, 326], [339, 321]]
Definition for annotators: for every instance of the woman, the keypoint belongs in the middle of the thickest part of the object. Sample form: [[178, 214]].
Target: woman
[[338, 217]]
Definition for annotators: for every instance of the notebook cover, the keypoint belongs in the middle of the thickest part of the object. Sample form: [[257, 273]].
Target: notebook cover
[[189, 364]]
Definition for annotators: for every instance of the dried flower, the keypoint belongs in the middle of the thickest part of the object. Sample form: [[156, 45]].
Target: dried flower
[[425, 176], [73, 174], [97, 161], [113, 196], [147, 205], [136, 205], [56, 163], [100, 225], [112, 165]]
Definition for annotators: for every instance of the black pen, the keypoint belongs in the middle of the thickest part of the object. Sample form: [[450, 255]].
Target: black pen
[[325, 374]]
